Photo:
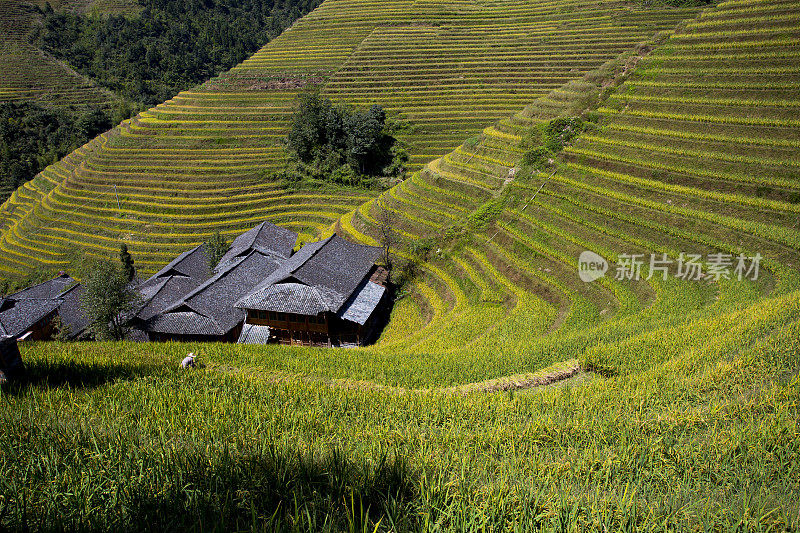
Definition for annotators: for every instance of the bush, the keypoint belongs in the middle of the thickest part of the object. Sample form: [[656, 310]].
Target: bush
[[107, 299], [420, 249], [561, 131], [216, 248]]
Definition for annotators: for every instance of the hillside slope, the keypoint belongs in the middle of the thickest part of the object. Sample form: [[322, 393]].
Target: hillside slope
[[28, 74], [695, 153], [684, 419], [103, 7], [171, 176]]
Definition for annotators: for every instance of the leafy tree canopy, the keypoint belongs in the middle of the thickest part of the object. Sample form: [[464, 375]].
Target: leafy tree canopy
[[216, 248], [342, 145], [170, 46], [107, 299]]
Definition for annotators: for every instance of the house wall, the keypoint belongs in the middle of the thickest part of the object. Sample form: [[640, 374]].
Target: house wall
[[288, 321], [43, 329], [304, 330]]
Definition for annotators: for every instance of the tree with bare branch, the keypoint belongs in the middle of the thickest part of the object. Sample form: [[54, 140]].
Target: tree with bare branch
[[387, 236]]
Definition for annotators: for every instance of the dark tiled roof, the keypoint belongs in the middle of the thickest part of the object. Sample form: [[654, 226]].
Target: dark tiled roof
[[334, 266], [71, 311], [163, 295], [266, 238], [192, 263], [136, 335], [286, 298], [184, 323], [212, 303], [339, 265], [253, 334], [20, 311], [18, 316], [173, 282], [362, 304], [48, 290]]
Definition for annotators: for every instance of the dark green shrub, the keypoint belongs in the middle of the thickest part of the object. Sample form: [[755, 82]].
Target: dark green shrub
[[538, 158], [343, 146]]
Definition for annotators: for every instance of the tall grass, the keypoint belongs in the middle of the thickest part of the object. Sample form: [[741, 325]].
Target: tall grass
[[706, 439]]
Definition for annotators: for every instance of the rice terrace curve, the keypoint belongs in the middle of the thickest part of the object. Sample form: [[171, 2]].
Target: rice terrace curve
[[592, 288]]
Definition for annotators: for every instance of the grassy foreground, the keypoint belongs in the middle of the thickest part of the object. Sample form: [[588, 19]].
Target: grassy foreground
[[114, 436]]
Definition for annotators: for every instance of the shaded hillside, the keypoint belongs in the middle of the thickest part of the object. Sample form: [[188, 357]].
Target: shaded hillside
[[43, 101], [28, 74], [139, 52], [168, 45], [99, 7]]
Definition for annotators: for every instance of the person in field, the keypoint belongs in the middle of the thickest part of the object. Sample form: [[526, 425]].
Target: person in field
[[188, 361]]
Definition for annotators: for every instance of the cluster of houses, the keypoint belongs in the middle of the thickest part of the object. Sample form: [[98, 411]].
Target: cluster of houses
[[327, 293]]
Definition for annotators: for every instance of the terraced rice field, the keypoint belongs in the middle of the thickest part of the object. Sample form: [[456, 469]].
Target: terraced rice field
[[28, 74], [196, 163], [688, 157], [685, 421]]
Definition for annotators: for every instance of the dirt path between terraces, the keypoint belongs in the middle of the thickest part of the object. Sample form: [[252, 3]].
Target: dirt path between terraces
[[546, 376]]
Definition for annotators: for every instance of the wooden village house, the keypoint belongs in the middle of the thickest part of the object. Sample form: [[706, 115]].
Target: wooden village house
[[188, 301], [330, 293]]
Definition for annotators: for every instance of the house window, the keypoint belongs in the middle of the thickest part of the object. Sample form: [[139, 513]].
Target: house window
[[262, 315], [273, 315], [282, 317]]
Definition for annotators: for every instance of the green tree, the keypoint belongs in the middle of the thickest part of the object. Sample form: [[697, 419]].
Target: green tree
[[333, 143], [127, 262], [61, 331], [107, 299], [216, 248], [92, 123]]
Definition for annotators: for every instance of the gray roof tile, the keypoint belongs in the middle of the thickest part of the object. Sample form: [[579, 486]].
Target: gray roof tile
[[286, 298], [191, 263], [18, 316], [184, 323], [20, 311], [253, 334], [334, 266], [214, 299], [266, 238], [363, 303], [71, 311], [170, 284], [48, 290]]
